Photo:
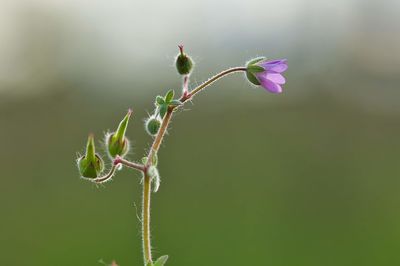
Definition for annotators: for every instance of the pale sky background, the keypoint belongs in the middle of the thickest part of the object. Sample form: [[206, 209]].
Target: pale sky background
[[351, 46]]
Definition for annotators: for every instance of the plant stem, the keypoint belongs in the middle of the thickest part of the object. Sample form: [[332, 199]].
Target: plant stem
[[160, 135], [154, 149], [146, 219], [133, 165], [107, 177], [212, 80]]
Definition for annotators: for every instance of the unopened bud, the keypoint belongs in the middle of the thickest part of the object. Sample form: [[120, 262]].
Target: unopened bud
[[184, 63], [153, 124], [117, 143], [90, 165]]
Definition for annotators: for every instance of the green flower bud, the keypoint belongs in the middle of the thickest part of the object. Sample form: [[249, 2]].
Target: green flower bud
[[153, 125], [184, 63], [117, 143], [90, 165], [253, 69]]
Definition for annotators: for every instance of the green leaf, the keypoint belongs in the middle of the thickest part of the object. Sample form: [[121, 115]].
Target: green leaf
[[163, 110], [256, 60], [252, 78], [169, 96], [161, 260], [149, 264], [175, 103], [160, 100], [255, 69]]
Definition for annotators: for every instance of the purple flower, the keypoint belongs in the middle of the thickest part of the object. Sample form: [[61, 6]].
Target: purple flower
[[267, 74], [271, 78]]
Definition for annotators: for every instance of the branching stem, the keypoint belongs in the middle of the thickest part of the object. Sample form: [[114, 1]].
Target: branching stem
[[154, 149]]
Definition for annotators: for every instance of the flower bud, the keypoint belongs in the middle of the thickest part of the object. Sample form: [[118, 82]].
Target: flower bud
[[117, 143], [90, 165], [253, 69], [184, 63], [153, 125]]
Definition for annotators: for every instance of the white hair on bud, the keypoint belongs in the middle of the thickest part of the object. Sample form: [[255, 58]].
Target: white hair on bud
[[155, 177]]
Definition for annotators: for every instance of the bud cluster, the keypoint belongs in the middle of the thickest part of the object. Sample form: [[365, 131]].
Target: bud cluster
[[91, 165]]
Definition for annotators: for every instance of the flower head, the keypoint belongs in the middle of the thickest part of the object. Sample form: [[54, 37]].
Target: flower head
[[267, 74]]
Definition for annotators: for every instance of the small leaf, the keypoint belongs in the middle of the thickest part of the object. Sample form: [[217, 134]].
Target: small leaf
[[255, 69], [163, 110], [161, 260], [159, 100], [169, 96], [175, 103], [256, 60], [252, 78]]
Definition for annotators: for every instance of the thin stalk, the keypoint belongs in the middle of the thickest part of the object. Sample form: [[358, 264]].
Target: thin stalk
[[107, 177], [133, 165], [146, 219], [212, 80]]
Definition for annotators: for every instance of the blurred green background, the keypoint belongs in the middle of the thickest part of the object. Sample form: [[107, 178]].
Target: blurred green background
[[309, 177]]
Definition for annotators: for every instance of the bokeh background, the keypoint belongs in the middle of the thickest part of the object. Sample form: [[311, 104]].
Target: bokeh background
[[309, 177]]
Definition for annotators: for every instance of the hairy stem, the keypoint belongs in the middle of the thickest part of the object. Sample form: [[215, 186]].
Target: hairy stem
[[159, 137], [146, 219], [154, 149], [212, 80], [133, 165], [107, 177]]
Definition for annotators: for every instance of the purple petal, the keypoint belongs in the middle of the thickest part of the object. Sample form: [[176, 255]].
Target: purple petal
[[275, 78], [269, 85], [277, 66]]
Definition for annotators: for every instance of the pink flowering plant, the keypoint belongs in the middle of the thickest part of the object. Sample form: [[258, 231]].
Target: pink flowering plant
[[259, 71]]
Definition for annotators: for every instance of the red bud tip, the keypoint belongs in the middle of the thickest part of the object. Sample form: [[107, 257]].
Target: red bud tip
[[180, 48]]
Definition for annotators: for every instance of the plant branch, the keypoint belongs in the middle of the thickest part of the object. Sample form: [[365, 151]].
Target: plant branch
[[107, 177], [186, 96], [211, 81], [120, 160]]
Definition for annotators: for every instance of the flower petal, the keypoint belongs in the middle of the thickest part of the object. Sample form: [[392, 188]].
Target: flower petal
[[277, 66], [275, 77], [269, 85]]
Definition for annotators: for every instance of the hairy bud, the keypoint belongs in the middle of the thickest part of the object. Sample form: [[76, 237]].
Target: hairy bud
[[253, 69], [90, 165], [153, 124], [117, 143], [184, 63]]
